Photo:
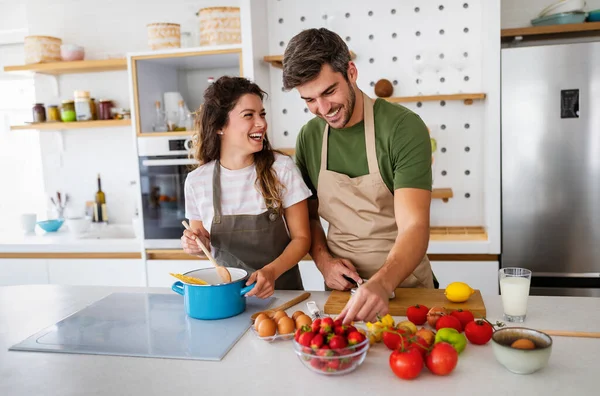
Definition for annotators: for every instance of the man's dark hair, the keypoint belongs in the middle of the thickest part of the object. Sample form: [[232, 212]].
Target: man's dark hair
[[308, 51]]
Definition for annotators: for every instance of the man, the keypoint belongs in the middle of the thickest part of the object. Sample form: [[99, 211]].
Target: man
[[368, 164]]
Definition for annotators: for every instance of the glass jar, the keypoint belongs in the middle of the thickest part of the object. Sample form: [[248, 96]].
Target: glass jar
[[53, 113], [105, 109], [67, 111], [39, 113], [83, 106], [94, 109]]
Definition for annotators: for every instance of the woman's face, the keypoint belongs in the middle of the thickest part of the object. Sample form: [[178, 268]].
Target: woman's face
[[246, 126]]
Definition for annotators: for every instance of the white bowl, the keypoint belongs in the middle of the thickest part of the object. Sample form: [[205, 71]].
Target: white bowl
[[78, 225], [521, 361], [71, 52]]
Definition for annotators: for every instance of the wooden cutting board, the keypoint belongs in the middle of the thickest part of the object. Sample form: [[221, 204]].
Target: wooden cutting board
[[405, 297]]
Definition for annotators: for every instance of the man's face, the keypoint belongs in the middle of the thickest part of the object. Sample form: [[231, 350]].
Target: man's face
[[330, 96]]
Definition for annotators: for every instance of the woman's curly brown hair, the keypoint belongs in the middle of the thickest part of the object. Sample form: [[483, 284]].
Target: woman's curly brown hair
[[219, 99]]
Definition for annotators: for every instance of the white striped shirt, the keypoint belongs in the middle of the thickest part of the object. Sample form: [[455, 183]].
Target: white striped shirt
[[239, 194]]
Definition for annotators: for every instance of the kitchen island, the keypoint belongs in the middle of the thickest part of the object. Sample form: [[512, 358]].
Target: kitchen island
[[254, 367]]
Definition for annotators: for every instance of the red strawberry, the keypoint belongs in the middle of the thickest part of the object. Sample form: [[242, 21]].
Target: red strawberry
[[355, 338], [340, 330], [317, 363], [337, 342], [316, 325], [306, 338], [333, 364], [303, 329], [317, 342], [325, 351], [350, 329], [326, 325], [337, 322]]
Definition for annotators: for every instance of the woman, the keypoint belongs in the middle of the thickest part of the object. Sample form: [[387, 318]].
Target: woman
[[246, 199]]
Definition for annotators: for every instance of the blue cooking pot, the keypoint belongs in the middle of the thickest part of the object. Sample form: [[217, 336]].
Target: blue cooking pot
[[216, 300]]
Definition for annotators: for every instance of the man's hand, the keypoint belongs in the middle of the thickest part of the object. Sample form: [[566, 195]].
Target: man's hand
[[370, 300], [265, 283], [333, 270], [189, 245]]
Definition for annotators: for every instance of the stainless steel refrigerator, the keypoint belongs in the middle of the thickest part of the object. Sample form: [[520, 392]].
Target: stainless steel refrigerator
[[551, 166]]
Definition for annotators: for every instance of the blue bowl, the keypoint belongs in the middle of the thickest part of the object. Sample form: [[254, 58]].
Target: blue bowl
[[594, 16], [51, 225]]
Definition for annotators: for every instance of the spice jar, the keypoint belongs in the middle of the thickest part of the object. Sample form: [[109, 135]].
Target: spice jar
[[53, 113], [94, 111], [67, 111], [83, 106], [39, 113], [104, 109]]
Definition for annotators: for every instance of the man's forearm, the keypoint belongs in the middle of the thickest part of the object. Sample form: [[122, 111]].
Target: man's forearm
[[406, 254], [318, 247]]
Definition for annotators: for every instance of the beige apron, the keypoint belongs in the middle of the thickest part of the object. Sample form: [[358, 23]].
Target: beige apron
[[360, 213]]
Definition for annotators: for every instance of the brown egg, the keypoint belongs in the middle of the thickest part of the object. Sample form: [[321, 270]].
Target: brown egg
[[258, 319], [523, 343], [267, 328], [303, 320], [296, 314], [286, 325], [277, 315]]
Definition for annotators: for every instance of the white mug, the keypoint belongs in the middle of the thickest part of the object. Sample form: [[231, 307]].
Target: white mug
[[28, 221]]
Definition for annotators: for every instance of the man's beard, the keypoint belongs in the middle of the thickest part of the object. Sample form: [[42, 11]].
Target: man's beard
[[350, 106]]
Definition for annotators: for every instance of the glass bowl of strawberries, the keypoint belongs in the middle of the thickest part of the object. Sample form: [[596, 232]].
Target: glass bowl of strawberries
[[327, 347]]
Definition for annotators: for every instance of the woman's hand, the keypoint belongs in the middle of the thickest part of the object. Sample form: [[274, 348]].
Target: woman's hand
[[265, 283], [188, 239]]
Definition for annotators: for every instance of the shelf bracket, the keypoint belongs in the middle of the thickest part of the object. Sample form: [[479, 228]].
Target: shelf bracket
[[55, 82]]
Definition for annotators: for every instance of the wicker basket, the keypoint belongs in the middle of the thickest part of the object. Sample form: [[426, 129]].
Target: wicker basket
[[40, 49], [219, 26], [164, 35]]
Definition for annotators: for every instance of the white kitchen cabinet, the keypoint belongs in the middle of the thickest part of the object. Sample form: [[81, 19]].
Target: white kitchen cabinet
[[96, 272], [23, 272], [482, 275], [311, 276], [158, 270]]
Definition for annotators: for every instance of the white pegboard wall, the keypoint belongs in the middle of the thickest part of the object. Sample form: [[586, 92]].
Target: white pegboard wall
[[423, 47]]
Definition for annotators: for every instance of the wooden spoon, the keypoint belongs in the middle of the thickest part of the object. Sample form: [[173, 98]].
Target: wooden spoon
[[221, 271], [289, 304]]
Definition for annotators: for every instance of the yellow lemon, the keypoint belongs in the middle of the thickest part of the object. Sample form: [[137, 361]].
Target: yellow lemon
[[458, 292]]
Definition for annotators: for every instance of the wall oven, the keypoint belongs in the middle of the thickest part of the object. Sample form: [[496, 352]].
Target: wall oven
[[164, 163]]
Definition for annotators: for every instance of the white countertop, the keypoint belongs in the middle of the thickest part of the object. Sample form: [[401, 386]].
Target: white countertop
[[106, 238], [254, 367]]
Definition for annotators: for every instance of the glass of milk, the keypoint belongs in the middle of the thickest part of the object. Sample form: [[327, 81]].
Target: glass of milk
[[514, 288]]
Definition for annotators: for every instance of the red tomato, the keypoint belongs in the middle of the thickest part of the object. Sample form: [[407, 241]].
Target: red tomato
[[407, 364], [464, 316], [479, 332], [417, 314], [419, 344], [448, 321], [393, 340], [442, 359]]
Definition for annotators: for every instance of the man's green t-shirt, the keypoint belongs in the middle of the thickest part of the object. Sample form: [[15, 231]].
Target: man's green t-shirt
[[402, 143]]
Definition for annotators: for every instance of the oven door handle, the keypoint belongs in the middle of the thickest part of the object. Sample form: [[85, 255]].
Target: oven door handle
[[167, 162]]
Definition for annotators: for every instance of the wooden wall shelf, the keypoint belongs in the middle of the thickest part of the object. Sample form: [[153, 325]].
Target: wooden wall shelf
[[442, 193], [467, 98], [574, 30], [277, 60], [453, 234], [175, 133], [56, 126], [84, 66]]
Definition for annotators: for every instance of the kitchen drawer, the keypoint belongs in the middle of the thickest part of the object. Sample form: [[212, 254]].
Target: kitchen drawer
[[96, 272], [23, 272]]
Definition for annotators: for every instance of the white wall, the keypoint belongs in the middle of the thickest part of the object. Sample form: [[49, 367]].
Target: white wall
[[519, 13], [72, 159]]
